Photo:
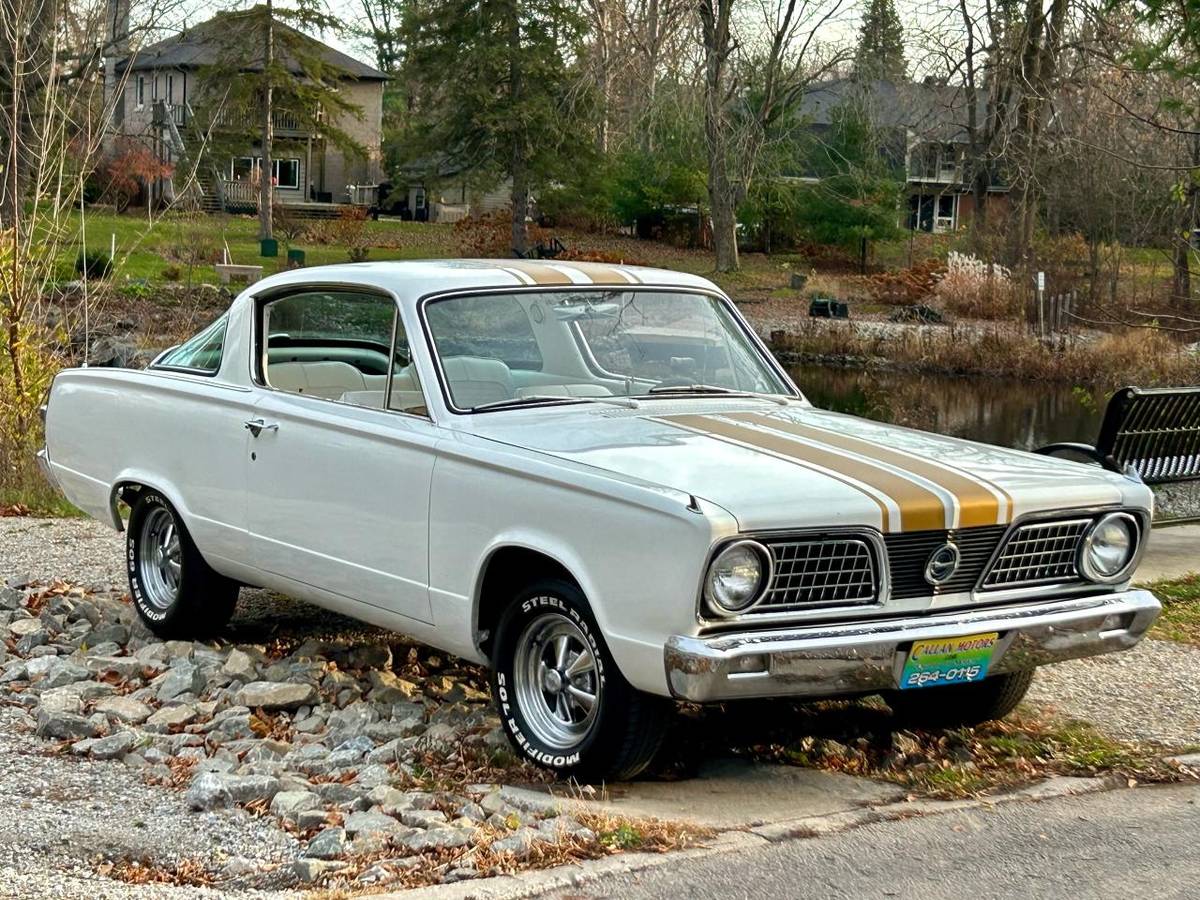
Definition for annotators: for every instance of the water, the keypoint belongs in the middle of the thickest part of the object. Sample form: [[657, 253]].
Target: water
[[1018, 414]]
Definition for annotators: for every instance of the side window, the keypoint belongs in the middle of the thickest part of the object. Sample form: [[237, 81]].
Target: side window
[[346, 346], [201, 353]]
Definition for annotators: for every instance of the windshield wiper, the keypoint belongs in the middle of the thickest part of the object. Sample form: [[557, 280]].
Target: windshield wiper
[[715, 389], [538, 399]]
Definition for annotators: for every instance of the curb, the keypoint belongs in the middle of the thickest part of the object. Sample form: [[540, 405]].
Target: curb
[[532, 883]]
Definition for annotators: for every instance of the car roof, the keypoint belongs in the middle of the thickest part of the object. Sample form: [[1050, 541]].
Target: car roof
[[410, 280]]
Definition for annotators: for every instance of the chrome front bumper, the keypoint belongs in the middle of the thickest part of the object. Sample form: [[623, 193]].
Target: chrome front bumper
[[865, 657]]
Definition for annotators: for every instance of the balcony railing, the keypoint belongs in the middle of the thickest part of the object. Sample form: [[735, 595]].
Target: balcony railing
[[282, 121]]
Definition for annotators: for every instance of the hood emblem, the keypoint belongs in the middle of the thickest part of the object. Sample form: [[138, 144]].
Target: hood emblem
[[942, 564]]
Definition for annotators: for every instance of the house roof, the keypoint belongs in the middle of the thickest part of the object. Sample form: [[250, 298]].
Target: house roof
[[932, 111], [204, 44]]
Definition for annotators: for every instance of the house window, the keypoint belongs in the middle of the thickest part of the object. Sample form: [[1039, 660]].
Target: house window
[[246, 168], [170, 89], [141, 91], [419, 201], [287, 173]]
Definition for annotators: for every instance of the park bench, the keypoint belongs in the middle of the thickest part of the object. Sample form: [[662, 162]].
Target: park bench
[[249, 274], [1154, 432]]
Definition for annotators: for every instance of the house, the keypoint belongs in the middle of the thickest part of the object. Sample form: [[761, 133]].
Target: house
[[437, 190], [168, 95], [923, 131]]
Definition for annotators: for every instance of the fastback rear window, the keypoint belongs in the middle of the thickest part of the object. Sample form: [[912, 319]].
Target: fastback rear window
[[201, 353]]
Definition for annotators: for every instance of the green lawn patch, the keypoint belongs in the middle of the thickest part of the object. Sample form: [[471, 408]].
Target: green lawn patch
[[1180, 619]]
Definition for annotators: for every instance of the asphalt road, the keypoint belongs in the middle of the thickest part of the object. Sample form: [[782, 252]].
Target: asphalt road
[[1122, 844]]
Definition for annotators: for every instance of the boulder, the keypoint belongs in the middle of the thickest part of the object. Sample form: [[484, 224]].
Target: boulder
[[271, 695], [214, 790]]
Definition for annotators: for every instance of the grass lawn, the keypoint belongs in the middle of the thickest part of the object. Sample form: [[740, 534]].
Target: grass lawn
[[1180, 619], [190, 244]]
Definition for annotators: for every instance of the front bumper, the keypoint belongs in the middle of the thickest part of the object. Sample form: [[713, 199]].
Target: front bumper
[[865, 657]]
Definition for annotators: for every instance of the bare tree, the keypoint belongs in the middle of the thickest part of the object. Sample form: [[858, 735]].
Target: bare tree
[[750, 84]]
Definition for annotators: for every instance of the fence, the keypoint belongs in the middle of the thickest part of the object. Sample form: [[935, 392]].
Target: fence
[[1049, 314]]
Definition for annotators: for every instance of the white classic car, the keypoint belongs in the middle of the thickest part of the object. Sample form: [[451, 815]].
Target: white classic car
[[595, 480]]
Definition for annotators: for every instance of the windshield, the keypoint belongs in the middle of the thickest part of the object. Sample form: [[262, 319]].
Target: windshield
[[505, 350]]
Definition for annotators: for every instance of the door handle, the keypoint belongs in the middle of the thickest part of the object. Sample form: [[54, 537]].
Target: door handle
[[258, 426]]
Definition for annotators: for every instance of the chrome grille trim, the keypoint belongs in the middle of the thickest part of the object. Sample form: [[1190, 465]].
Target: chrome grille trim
[[820, 572], [1039, 553]]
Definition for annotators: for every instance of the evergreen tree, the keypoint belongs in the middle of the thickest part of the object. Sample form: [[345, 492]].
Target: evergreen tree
[[265, 66], [880, 52], [496, 94]]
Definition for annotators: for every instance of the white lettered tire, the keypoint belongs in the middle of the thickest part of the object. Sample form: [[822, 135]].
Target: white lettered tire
[[176, 593], [561, 700]]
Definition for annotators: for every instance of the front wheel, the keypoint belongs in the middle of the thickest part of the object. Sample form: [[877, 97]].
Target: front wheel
[[176, 593], [561, 700], [962, 704]]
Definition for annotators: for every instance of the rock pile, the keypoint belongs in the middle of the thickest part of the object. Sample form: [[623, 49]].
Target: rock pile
[[344, 751]]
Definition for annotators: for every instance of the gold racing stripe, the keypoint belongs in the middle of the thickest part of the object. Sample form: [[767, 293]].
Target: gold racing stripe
[[540, 273], [977, 505], [920, 508]]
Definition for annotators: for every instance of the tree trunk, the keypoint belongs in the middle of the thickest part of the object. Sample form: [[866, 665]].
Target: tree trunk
[[1181, 282], [520, 165], [722, 196], [266, 193]]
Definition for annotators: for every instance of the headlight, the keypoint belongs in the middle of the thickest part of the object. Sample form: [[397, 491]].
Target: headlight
[[736, 578], [1109, 547]]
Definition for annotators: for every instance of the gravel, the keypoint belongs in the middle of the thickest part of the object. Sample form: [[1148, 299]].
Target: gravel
[[228, 759], [1149, 693]]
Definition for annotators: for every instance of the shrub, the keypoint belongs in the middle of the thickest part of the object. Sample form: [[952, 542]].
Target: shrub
[[972, 288], [907, 286], [490, 236], [358, 254], [95, 265], [121, 175], [171, 273]]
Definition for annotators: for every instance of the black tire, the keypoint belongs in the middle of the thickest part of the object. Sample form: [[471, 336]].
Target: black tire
[[962, 704], [628, 726], [197, 602]]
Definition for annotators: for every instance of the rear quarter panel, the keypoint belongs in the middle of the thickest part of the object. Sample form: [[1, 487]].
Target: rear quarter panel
[[182, 435]]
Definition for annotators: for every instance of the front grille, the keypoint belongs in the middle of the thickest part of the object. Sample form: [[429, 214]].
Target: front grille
[[909, 552], [1039, 553], [820, 572]]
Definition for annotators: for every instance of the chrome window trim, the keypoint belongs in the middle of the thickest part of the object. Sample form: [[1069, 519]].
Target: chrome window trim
[[258, 342], [765, 356]]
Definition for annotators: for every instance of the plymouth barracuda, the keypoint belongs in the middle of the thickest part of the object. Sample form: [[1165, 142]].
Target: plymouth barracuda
[[595, 480]]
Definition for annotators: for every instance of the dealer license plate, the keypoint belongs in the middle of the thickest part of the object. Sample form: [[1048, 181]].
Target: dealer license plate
[[943, 661]]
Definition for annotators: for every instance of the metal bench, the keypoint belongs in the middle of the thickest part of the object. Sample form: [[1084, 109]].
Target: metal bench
[[227, 271], [1154, 432]]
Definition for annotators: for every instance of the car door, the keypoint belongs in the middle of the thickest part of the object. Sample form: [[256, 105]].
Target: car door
[[340, 465]]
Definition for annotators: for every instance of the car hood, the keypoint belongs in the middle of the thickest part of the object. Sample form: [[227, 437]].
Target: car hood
[[796, 466]]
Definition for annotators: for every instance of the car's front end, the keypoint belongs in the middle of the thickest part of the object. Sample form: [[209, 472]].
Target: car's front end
[[825, 613]]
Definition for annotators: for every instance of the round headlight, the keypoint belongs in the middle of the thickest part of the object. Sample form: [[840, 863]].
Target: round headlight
[[736, 578], [1108, 548]]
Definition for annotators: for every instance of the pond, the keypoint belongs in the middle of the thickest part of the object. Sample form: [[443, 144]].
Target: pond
[[1013, 413]]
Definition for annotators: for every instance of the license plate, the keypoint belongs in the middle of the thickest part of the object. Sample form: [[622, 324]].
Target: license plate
[[943, 661]]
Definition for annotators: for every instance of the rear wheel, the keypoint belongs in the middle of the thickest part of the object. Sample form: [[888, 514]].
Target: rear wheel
[[561, 699], [176, 593], [962, 704]]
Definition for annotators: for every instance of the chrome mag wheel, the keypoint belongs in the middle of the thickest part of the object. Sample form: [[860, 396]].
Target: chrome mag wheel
[[160, 558], [557, 682]]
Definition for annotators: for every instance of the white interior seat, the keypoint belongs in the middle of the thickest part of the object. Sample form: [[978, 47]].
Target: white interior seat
[[475, 380], [326, 379]]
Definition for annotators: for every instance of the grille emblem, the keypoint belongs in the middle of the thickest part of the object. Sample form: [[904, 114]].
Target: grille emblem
[[942, 564]]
